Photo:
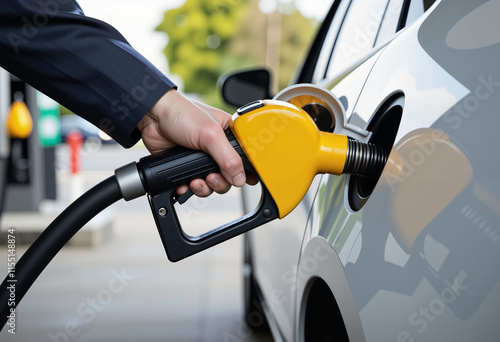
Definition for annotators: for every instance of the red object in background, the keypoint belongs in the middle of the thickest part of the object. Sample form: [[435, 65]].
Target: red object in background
[[74, 140]]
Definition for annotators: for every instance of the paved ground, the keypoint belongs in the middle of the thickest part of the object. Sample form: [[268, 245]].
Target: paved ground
[[127, 290]]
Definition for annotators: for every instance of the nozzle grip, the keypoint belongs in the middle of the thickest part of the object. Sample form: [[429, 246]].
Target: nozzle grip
[[162, 173], [179, 165]]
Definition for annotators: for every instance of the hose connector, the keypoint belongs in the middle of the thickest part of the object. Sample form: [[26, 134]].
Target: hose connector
[[129, 181], [364, 159]]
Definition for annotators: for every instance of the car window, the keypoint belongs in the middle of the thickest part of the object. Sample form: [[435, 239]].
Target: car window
[[417, 8], [357, 33], [390, 22], [329, 41], [399, 14]]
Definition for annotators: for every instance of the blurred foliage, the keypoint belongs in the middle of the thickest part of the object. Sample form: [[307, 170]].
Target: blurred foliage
[[198, 33], [296, 36], [208, 38]]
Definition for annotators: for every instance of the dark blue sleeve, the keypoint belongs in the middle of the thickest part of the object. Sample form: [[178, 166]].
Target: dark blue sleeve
[[81, 62]]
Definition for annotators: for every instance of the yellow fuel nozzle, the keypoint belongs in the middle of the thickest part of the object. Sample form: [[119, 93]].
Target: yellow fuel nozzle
[[19, 122], [287, 150], [276, 140]]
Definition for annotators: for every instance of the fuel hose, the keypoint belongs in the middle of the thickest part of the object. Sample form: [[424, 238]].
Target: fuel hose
[[50, 242]]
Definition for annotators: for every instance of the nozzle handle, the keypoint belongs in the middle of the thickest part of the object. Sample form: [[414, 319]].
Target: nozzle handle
[[162, 173], [179, 165]]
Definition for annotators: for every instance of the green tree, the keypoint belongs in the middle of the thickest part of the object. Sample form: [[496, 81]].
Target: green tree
[[208, 38], [198, 33]]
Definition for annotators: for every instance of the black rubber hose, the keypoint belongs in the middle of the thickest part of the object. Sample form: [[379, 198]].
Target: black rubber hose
[[53, 238]]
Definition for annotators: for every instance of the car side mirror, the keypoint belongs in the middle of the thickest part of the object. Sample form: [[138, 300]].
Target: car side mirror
[[243, 87]]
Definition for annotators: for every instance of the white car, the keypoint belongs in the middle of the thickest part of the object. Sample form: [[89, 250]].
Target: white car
[[415, 255]]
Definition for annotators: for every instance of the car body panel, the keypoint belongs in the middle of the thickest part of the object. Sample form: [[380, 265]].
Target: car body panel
[[319, 260], [446, 275], [278, 279], [420, 257]]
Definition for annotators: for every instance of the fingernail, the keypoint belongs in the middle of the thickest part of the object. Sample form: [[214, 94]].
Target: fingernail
[[197, 188], [239, 180], [213, 183]]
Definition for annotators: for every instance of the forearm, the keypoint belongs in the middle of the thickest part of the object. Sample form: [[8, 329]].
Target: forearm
[[81, 62]]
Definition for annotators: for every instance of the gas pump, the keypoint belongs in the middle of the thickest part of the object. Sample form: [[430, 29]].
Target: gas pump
[[28, 164]]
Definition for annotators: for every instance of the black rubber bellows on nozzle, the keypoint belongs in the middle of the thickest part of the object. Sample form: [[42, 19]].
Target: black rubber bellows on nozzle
[[364, 159]]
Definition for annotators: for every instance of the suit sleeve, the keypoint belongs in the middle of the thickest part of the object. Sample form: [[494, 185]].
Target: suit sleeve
[[81, 62]]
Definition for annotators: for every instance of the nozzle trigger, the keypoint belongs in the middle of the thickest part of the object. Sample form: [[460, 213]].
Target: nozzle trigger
[[184, 197], [179, 245]]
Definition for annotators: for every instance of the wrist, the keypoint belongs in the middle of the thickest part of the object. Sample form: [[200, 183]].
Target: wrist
[[159, 109]]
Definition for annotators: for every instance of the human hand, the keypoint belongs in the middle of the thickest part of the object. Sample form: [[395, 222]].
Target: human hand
[[177, 120]]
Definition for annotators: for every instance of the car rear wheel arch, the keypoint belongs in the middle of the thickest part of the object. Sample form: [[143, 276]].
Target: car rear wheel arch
[[324, 295], [321, 317]]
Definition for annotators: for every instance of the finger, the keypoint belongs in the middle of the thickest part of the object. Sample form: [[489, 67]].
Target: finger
[[200, 188], [182, 189], [216, 144], [218, 183]]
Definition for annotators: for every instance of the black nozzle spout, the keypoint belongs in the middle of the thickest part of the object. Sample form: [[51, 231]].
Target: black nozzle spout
[[364, 159]]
